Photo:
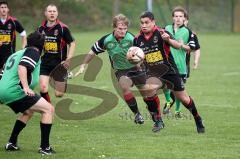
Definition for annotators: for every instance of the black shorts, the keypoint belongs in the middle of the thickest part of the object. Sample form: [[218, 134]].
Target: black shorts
[[24, 104], [57, 72], [137, 76], [173, 82]]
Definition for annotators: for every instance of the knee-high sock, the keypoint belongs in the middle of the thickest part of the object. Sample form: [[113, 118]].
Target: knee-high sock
[[45, 133], [19, 125], [153, 106], [192, 108], [167, 94], [131, 102], [178, 103]]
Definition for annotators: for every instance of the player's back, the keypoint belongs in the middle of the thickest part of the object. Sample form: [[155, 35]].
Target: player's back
[[10, 85]]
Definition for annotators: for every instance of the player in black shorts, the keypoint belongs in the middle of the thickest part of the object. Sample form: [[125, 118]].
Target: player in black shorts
[[58, 50], [21, 74], [155, 42], [117, 44], [8, 27]]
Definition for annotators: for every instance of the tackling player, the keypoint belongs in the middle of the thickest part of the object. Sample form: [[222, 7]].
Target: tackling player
[[20, 76], [117, 45]]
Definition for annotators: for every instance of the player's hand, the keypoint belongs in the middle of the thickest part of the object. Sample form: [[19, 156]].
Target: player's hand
[[66, 63], [28, 91], [1, 43], [81, 70], [165, 36]]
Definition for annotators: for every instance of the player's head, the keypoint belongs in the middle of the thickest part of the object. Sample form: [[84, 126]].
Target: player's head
[[120, 25], [36, 39], [51, 12], [179, 15], [4, 8], [147, 22]]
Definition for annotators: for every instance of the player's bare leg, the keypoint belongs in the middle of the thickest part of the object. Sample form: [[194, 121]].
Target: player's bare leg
[[44, 82]]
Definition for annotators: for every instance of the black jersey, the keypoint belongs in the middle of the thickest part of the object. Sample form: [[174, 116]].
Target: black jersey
[[57, 38], [8, 37], [157, 52], [195, 39]]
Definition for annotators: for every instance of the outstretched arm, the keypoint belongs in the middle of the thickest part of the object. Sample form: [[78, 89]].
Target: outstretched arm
[[86, 60]]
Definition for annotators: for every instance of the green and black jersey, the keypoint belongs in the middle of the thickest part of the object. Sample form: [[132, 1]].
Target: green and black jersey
[[117, 50], [10, 85], [186, 36]]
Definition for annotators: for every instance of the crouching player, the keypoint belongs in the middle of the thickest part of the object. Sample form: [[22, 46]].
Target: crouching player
[[20, 76]]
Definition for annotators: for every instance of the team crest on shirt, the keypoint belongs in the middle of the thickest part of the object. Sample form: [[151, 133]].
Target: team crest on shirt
[[110, 45], [155, 39], [141, 44], [9, 26], [55, 32]]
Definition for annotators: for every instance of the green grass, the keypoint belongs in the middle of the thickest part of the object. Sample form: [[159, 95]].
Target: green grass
[[214, 86]]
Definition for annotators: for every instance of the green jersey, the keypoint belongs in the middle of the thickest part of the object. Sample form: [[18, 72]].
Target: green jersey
[[179, 55], [10, 85], [117, 50]]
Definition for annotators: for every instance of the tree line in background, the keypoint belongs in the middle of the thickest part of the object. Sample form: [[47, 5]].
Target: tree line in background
[[211, 15]]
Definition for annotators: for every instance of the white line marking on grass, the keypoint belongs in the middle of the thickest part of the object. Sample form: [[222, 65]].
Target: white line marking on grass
[[220, 105], [231, 73]]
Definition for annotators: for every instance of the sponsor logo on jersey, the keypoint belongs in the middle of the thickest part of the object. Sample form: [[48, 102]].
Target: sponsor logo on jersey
[[9, 26], [56, 32], [155, 39]]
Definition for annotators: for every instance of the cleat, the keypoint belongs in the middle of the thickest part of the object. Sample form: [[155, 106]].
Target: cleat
[[46, 151], [200, 127], [138, 119], [178, 115], [158, 125], [69, 75], [167, 107], [11, 147]]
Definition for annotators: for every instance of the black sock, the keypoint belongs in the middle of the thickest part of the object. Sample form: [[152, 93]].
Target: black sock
[[172, 96], [45, 133], [192, 108], [46, 96], [153, 106], [131, 102], [19, 125]]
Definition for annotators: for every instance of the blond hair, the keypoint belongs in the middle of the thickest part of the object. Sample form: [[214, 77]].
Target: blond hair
[[120, 18], [180, 9]]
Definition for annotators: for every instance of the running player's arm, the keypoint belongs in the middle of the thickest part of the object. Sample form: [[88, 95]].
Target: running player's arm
[[26, 67], [22, 32], [197, 52], [98, 47], [167, 37], [67, 36]]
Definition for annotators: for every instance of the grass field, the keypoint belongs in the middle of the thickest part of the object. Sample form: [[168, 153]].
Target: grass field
[[215, 86]]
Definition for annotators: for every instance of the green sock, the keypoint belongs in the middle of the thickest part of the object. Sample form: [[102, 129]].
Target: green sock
[[167, 95], [177, 109]]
